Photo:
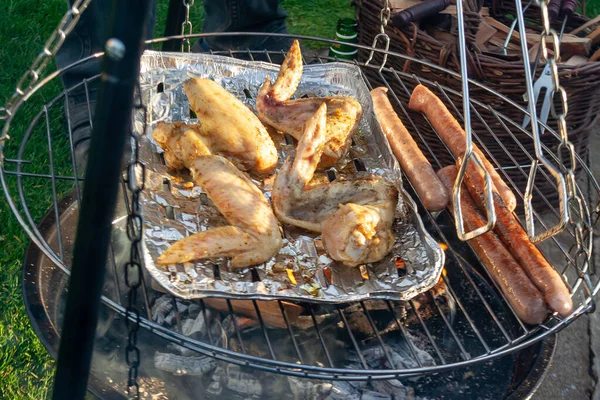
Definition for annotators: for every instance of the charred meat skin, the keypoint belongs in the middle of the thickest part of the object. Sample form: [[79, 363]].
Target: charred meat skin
[[354, 216], [227, 128], [275, 107]]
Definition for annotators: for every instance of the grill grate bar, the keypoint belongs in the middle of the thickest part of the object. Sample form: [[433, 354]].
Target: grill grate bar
[[290, 331], [320, 336], [72, 147], [427, 332], [459, 343], [352, 338], [46, 176], [264, 329], [206, 322], [404, 333], [376, 331], [483, 300], [466, 314], [53, 182], [235, 325], [177, 314]]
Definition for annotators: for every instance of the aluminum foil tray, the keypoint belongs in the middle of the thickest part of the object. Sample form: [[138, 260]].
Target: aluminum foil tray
[[173, 208]]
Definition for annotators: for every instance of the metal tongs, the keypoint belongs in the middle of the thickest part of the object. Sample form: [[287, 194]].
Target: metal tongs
[[555, 7]]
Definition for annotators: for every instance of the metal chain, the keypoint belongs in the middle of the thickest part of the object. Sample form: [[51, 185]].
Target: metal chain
[[33, 74], [135, 179], [186, 27], [575, 202], [384, 17]]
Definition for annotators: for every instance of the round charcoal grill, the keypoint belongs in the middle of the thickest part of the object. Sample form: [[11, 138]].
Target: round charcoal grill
[[463, 329], [514, 376]]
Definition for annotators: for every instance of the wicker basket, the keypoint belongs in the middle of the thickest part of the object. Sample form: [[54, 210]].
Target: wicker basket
[[582, 84]]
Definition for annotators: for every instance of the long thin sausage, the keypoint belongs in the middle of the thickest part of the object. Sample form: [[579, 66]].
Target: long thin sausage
[[518, 289], [411, 158], [423, 100], [542, 274]]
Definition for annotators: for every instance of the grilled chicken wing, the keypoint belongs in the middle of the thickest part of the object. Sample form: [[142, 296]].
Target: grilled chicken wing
[[253, 236], [227, 128], [276, 109], [357, 234], [355, 216]]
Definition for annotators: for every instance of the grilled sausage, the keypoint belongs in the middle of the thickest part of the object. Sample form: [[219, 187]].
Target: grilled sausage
[[411, 158], [518, 289], [541, 273], [423, 100]]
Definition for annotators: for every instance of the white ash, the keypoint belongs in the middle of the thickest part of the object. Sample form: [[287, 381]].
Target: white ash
[[183, 351], [305, 389], [162, 307], [242, 382], [179, 365], [370, 395], [193, 310], [215, 388], [395, 388], [195, 328], [341, 390]]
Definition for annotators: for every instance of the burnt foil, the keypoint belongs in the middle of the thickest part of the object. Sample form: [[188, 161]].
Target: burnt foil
[[174, 208]]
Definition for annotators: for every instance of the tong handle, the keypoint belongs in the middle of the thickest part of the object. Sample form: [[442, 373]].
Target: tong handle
[[489, 199]]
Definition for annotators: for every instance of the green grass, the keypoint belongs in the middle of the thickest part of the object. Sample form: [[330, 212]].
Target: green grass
[[25, 367]]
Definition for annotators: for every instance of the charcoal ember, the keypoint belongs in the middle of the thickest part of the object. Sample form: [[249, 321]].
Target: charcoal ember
[[371, 395], [171, 318], [220, 374], [341, 390], [372, 305], [424, 302], [359, 323], [243, 324], [180, 365], [181, 307], [251, 348], [305, 389], [305, 322], [242, 382], [193, 310], [400, 355], [406, 355], [395, 388], [183, 351], [162, 307], [195, 328]]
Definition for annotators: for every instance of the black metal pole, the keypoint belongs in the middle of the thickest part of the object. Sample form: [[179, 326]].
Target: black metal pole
[[175, 17], [112, 124]]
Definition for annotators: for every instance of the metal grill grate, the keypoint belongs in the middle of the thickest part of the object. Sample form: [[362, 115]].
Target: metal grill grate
[[463, 321]]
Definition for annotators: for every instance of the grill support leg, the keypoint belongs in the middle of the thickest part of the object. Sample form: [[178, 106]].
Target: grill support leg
[[112, 123]]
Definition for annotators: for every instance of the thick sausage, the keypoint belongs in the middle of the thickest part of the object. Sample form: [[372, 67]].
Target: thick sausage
[[411, 158], [518, 289], [423, 100], [542, 274]]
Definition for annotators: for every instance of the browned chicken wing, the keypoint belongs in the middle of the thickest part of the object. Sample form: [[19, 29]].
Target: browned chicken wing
[[354, 216], [253, 236], [276, 109], [227, 128]]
